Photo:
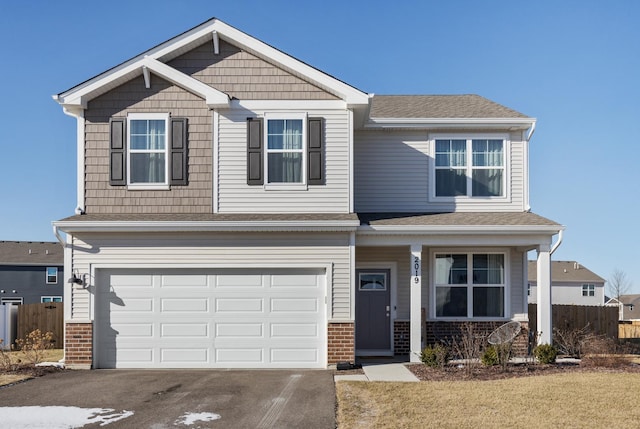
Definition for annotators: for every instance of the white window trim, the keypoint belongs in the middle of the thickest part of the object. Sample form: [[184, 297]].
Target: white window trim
[[51, 298], [302, 186], [590, 288], [468, 137], [468, 251], [12, 300], [46, 274], [148, 186]]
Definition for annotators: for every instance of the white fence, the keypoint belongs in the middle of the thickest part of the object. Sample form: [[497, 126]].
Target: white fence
[[8, 324]]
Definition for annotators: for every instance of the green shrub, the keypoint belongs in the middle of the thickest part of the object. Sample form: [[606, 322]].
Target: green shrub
[[545, 353], [490, 357], [435, 356]]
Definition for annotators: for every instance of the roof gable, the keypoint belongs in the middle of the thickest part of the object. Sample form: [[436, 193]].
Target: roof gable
[[566, 271], [155, 59]]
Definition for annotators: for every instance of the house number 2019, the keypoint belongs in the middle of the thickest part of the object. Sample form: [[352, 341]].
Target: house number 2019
[[416, 269]]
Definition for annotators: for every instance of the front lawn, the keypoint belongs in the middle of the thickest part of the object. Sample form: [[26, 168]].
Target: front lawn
[[605, 398]]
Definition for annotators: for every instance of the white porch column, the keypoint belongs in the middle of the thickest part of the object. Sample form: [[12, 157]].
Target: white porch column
[[415, 331], [545, 330]]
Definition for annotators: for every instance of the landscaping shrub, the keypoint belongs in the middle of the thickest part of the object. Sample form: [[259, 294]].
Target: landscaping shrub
[[600, 351], [570, 342], [34, 345], [490, 356], [435, 356], [545, 353]]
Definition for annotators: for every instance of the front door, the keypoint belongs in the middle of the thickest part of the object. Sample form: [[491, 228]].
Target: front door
[[373, 312]]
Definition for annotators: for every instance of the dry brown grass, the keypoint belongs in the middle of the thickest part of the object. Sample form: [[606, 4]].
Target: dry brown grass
[[17, 359], [574, 400]]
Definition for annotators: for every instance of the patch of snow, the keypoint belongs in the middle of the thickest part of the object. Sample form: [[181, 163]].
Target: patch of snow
[[191, 418], [55, 364], [58, 417]]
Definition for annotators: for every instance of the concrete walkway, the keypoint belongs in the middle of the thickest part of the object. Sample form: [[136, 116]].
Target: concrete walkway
[[380, 372]]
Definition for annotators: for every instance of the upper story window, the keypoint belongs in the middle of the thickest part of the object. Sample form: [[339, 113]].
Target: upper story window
[[147, 149], [588, 290], [470, 285], [52, 275], [285, 150], [469, 167]]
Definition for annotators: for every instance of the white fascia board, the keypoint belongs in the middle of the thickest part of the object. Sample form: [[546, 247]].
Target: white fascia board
[[131, 68], [199, 226], [459, 229], [306, 105], [213, 97], [462, 123]]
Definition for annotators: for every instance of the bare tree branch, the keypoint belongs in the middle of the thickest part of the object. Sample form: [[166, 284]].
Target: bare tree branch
[[619, 283]]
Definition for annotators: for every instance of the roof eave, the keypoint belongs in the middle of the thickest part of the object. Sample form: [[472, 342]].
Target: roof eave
[[206, 226], [461, 229], [457, 123]]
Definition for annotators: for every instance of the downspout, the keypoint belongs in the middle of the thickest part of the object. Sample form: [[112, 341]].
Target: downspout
[[558, 243], [527, 140]]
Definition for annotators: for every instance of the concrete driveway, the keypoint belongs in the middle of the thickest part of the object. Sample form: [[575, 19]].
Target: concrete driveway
[[173, 398]]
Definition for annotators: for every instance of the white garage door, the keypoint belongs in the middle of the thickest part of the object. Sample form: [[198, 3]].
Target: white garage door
[[210, 319]]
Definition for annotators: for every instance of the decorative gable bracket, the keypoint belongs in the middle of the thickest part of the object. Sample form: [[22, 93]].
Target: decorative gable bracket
[[79, 99]]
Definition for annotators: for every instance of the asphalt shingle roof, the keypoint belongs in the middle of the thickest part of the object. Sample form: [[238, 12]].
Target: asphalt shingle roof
[[31, 253], [439, 106], [566, 271]]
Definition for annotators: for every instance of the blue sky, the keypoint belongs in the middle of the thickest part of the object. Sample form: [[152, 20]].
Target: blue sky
[[573, 65]]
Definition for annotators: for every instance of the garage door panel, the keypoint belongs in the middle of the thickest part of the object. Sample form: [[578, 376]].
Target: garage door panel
[[185, 356], [239, 305], [184, 305], [242, 330], [293, 305], [184, 330], [211, 318], [294, 330], [182, 281], [239, 281], [239, 356]]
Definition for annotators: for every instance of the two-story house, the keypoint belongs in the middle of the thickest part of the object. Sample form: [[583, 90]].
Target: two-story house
[[240, 208], [571, 284], [31, 272]]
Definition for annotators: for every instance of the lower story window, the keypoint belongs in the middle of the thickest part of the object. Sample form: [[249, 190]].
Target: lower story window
[[50, 299], [470, 285]]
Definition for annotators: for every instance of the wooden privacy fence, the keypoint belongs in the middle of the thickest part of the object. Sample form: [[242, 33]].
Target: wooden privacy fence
[[48, 317], [629, 329], [601, 320]]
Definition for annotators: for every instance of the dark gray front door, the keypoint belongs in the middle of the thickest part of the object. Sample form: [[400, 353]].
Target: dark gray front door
[[373, 311]]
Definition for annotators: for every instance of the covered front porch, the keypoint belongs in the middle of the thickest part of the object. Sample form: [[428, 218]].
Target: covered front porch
[[419, 276]]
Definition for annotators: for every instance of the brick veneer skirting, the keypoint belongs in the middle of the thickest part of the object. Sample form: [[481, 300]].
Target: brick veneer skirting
[[401, 334], [341, 342], [78, 345], [448, 331]]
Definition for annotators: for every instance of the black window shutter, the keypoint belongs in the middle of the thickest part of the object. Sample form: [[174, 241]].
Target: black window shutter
[[117, 152], [255, 148], [315, 152], [178, 151]]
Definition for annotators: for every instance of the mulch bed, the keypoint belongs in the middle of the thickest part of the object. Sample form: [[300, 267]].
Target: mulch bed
[[455, 372]]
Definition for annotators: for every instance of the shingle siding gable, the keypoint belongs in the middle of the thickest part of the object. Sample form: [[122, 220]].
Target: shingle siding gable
[[244, 76]]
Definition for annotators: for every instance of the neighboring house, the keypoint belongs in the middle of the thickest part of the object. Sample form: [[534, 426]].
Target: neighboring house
[[629, 306], [240, 208], [571, 284], [31, 272]]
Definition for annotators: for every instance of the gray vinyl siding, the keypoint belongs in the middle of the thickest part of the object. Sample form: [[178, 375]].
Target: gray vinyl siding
[[391, 174], [570, 293], [29, 282], [235, 196], [214, 251], [402, 257], [244, 76], [162, 97]]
